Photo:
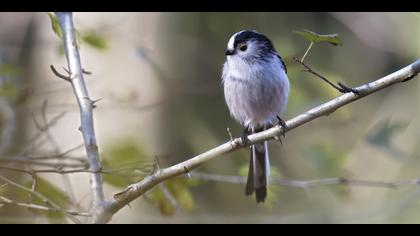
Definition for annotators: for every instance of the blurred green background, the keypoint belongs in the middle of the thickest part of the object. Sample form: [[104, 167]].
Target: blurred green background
[[158, 75]]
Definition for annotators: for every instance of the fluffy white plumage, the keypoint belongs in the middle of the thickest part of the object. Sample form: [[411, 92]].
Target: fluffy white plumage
[[255, 92]]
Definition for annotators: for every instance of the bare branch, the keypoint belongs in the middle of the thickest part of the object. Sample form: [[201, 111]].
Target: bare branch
[[308, 183], [41, 131], [85, 106], [340, 86], [41, 197], [60, 155], [6, 201], [56, 171], [136, 190], [25, 160]]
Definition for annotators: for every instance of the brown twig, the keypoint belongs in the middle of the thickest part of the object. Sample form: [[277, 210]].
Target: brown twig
[[59, 75], [340, 87]]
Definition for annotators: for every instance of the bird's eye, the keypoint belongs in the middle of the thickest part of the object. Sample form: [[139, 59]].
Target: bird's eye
[[243, 47]]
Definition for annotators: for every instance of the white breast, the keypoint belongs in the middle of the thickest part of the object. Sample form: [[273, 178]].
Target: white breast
[[255, 94]]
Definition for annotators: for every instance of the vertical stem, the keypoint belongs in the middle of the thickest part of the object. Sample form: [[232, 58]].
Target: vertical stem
[[306, 53], [85, 105]]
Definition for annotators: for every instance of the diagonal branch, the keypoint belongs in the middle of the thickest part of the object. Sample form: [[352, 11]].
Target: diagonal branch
[[85, 106], [136, 190]]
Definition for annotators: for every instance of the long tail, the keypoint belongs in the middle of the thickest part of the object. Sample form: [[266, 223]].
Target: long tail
[[259, 170]]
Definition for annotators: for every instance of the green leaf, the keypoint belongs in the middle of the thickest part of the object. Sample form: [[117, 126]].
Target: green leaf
[[179, 189], [385, 131], [334, 39], [127, 163], [55, 25], [50, 191], [157, 198], [95, 40]]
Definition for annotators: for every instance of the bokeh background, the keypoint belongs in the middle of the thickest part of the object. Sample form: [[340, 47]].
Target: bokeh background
[[158, 78]]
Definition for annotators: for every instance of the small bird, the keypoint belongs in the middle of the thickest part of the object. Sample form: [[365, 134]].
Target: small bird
[[256, 90]]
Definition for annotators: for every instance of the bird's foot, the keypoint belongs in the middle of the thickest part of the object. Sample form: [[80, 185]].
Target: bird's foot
[[283, 125], [244, 136]]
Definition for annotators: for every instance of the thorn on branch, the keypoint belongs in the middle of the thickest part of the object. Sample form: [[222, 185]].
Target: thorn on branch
[[339, 87], [86, 72], [68, 72], [59, 75], [95, 101]]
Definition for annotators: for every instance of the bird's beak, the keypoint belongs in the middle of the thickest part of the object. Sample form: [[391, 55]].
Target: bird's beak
[[229, 52]]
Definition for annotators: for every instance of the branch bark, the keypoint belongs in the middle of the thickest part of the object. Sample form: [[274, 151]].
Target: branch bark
[[136, 190], [85, 106]]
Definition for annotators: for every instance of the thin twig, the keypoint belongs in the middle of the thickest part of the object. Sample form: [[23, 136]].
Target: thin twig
[[340, 87], [306, 53], [7, 201], [168, 195], [56, 171], [3, 186], [41, 130], [137, 189], [60, 155], [308, 183], [28, 161], [40, 196]]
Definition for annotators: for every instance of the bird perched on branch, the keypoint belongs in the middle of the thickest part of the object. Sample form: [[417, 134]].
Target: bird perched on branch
[[256, 90]]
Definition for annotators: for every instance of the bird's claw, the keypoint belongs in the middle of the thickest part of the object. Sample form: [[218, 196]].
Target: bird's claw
[[283, 125], [244, 137]]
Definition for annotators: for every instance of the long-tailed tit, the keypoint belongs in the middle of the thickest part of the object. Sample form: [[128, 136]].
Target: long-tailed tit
[[256, 90]]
